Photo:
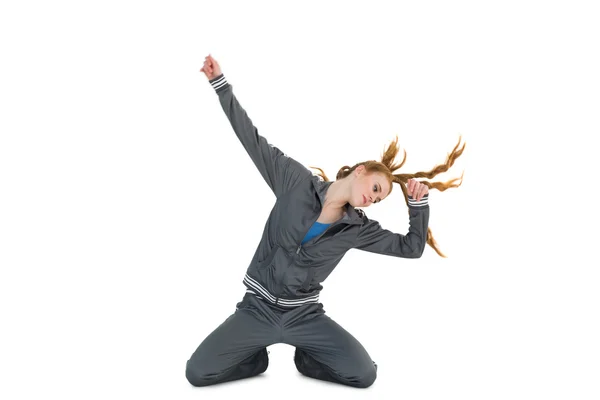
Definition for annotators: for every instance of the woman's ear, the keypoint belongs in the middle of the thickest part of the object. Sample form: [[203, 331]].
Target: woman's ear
[[359, 170]]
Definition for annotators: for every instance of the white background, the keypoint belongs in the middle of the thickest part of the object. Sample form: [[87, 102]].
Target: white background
[[129, 211]]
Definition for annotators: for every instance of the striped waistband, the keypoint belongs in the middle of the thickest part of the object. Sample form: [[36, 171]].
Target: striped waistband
[[259, 291]]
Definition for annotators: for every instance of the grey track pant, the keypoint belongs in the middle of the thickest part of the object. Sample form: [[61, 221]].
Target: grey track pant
[[236, 349]]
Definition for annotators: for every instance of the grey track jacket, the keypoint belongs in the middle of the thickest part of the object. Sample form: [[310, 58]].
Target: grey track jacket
[[282, 271]]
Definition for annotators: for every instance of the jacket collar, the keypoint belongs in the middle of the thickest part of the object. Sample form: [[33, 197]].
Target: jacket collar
[[353, 215]]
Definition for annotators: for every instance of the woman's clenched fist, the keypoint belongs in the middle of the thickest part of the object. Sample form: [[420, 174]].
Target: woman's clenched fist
[[211, 67]]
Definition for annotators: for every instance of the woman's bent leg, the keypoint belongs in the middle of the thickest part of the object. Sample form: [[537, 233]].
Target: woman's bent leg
[[236, 349], [326, 351]]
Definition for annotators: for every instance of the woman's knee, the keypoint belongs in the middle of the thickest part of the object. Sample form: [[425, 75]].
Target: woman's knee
[[196, 376], [367, 378], [203, 372], [360, 376]]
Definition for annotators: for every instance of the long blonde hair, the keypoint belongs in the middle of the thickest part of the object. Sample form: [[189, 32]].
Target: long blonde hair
[[387, 167]]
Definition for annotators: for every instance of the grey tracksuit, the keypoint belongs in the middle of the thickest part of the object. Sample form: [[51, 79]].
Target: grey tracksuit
[[284, 278]]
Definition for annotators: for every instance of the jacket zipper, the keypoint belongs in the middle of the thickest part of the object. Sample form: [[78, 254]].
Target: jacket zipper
[[293, 259], [300, 248], [338, 222]]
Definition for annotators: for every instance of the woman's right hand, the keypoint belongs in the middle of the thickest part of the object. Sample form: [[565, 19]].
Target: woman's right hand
[[211, 67]]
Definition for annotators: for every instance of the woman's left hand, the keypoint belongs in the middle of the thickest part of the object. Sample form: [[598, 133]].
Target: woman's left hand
[[416, 189]]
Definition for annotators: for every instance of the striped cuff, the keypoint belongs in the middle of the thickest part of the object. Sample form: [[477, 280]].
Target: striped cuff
[[421, 203], [219, 83]]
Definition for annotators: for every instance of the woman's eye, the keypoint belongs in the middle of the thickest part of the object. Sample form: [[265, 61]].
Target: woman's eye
[[375, 188]]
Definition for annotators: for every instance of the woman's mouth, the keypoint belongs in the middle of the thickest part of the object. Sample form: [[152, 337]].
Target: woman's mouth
[[364, 200]]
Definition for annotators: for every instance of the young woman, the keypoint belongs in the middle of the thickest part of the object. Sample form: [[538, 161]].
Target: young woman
[[313, 223]]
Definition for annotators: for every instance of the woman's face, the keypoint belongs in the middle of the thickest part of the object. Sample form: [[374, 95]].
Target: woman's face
[[368, 187]]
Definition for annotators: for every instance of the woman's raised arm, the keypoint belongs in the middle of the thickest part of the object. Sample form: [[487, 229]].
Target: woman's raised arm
[[279, 171]]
